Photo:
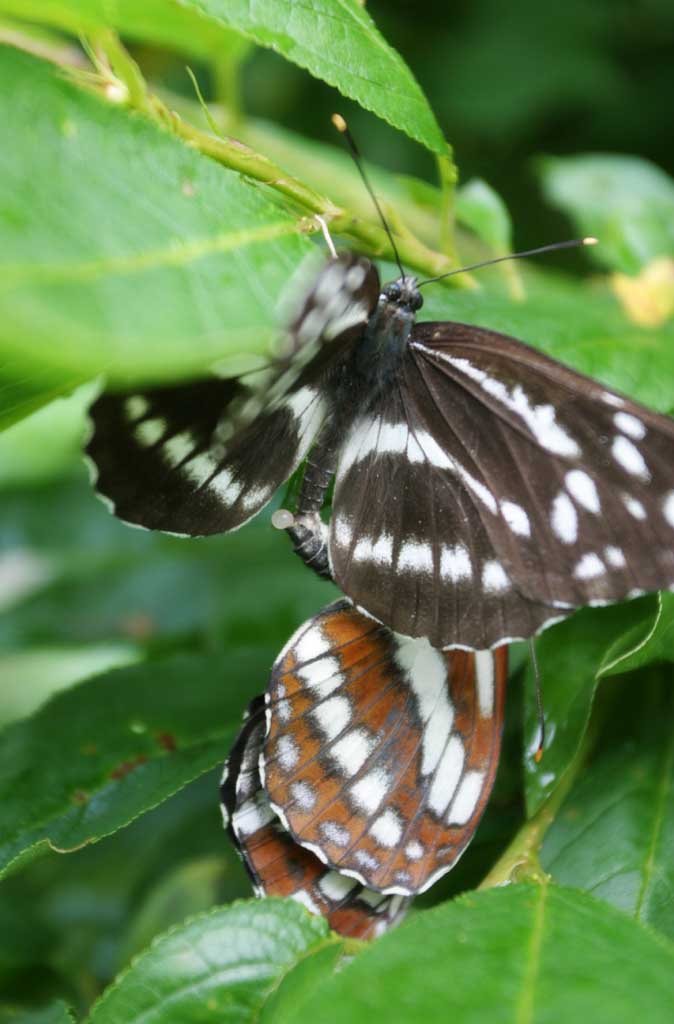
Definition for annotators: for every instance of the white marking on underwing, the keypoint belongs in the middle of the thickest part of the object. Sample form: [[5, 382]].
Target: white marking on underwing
[[564, 518], [629, 457], [414, 850], [335, 886], [306, 900], [387, 829], [516, 518], [287, 753], [352, 751], [353, 314], [415, 556], [369, 791], [446, 776], [630, 424], [309, 409], [303, 795], [615, 557], [466, 799], [148, 432], [494, 577], [366, 860], [484, 672], [329, 281], [323, 676], [589, 567], [332, 716], [256, 497], [312, 644], [634, 506], [251, 816], [425, 671], [343, 531], [335, 833], [581, 486], [455, 563]]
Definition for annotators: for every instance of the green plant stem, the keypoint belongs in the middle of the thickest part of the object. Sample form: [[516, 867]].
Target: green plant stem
[[236, 156], [520, 862]]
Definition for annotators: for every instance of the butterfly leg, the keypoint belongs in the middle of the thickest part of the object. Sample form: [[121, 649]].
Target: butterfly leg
[[307, 532]]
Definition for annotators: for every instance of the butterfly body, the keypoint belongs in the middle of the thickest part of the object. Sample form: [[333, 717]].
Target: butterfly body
[[482, 490]]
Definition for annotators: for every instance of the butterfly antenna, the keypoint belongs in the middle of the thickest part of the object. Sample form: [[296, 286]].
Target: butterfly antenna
[[539, 703], [573, 243], [342, 127]]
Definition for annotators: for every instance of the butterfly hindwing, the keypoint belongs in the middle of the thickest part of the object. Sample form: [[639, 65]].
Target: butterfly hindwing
[[381, 751], [278, 866]]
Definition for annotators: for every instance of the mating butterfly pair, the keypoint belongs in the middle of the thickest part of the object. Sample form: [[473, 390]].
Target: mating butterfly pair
[[367, 776], [483, 491]]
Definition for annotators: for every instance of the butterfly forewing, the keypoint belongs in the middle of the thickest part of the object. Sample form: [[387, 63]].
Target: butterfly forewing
[[381, 751], [205, 457], [495, 490], [278, 866]]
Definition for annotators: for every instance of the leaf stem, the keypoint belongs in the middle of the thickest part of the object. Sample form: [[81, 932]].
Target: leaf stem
[[519, 862]]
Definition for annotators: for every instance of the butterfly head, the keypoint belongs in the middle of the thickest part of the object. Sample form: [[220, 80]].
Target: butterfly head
[[403, 293]]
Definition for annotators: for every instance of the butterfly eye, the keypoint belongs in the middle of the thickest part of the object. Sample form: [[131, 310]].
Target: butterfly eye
[[417, 301], [393, 292]]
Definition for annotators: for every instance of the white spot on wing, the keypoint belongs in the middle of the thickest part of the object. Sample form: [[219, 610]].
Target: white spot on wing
[[466, 799], [199, 469], [226, 487], [135, 407], [332, 716], [251, 816], [414, 850], [287, 753], [386, 829], [615, 557], [178, 448], [630, 424], [415, 556], [335, 886], [668, 508], [425, 671], [352, 751], [589, 567], [333, 832], [494, 577], [581, 487], [484, 672], [564, 518], [455, 563], [150, 431], [303, 795], [305, 898], [634, 507], [516, 518], [629, 457], [447, 776], [369, 791]]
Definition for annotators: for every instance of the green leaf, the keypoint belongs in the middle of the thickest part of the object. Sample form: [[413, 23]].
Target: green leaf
[[637, 647], [96, 756], [146, 577], [56, 1013], [46, 444], [521, 953], [335, 40], [126, 252], [221, 966], [481, 209], [570, 657], [174, 26], [300, 983], [576, 324], [627, 202], [615, 833]]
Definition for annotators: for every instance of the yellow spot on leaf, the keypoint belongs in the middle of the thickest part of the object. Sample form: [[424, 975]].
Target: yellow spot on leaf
[[648, 299]]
